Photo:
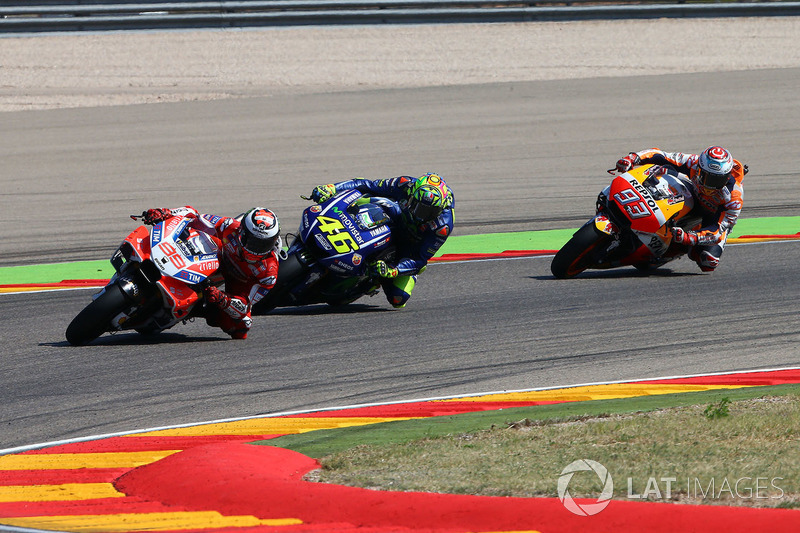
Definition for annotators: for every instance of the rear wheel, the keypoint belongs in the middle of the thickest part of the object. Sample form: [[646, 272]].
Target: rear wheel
[[576, 256], [95, 319]]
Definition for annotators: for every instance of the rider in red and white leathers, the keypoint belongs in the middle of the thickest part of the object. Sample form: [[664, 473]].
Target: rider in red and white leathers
[[249, 249], [716, 179]]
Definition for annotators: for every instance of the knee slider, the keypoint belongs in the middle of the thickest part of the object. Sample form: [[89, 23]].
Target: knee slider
[[707, 261]]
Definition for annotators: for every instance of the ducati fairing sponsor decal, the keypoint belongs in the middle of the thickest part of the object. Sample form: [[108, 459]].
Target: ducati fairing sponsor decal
[[158, 233], [212, 219], [189, 276], [207, 266]]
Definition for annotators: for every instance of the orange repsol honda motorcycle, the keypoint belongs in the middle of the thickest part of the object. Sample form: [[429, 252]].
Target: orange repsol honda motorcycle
[[632, 225]]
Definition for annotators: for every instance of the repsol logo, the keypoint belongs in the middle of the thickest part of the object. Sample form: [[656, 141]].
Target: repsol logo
[[657, 246], [643, 192]]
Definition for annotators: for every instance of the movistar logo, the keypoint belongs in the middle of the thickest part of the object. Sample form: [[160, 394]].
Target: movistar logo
[[349, 224]]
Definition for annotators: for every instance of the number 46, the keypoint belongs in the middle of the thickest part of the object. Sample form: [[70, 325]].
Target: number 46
[[341, 240]]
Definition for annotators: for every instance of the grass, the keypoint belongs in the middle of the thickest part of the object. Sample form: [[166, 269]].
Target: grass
[[739, 447]]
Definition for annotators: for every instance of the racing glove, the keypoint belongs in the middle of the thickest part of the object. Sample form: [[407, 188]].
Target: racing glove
[[322, 193], [216, 297], [380, 268], [154, 216], [684, 237], [626, 163]]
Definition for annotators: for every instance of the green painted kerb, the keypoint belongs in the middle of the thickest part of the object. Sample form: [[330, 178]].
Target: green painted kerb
[[57, 272], [554, 239], [457, 244]]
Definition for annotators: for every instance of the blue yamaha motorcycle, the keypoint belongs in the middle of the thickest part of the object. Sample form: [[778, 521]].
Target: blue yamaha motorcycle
[[329, 260]]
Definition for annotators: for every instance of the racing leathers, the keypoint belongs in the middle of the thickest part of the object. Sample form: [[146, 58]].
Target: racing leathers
[[245, 283], [416, 241], [719, 208]]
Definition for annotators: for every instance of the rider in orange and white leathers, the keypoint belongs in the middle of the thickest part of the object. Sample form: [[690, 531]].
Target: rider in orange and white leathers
[[716, 179]]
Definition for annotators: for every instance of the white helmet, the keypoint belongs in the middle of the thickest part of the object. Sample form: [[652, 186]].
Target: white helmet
[[259, 234], [716, 165]]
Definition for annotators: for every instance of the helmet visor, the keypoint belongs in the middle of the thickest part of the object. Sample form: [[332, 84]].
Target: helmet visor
[[422, 211], [713, 181], [254, 245]]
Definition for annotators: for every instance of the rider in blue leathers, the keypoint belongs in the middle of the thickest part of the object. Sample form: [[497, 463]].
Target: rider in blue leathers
[[422, 224]]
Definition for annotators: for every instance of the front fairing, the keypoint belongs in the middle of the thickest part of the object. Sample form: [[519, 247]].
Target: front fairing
[[167, 261], [344, 233], [182, 252], [646, 202]]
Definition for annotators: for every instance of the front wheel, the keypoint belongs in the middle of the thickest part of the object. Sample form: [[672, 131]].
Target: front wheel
[[94, 320], [290, 272], [576, 256]]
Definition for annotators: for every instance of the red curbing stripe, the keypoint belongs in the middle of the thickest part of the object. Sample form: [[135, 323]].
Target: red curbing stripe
[[775, 377], [60, 477], [422, 409], [103, 506], [506, 254], [794, 236], [57, 284], [145, 444], [268, 481]]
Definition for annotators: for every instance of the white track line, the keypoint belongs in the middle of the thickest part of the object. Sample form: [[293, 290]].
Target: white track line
[[20, 449]]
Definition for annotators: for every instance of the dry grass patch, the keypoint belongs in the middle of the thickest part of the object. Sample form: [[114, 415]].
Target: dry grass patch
[[705, 449]]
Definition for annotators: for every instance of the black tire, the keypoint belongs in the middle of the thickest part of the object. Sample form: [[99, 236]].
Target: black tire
[[290, 271], [95, 319], [576, 256]]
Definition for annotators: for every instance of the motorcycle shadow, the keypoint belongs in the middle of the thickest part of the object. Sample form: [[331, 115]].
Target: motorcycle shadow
[[624, 273], [325, 309], [136, 339]]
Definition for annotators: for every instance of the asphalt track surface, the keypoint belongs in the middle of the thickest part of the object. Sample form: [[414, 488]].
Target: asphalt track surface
[[519, 156]]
